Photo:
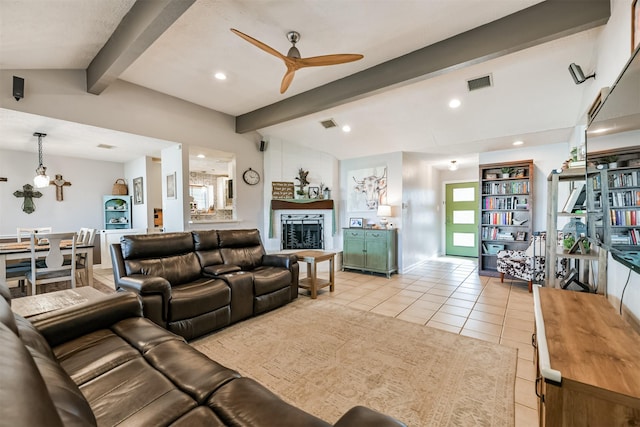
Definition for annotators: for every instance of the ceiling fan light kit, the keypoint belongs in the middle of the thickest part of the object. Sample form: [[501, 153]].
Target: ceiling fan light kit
[[294, 61]]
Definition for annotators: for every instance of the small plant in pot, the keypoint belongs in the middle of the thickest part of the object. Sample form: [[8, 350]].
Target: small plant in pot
[[611, 161], [506, 172]]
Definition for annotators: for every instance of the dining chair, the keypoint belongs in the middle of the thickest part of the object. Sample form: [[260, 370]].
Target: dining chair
[[25, 232], [53, 269], [86, 237]]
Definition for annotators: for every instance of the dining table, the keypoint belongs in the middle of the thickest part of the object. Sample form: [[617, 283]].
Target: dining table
[[22, 251]]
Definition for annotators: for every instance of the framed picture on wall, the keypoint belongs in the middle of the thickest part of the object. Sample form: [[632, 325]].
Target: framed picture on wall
[[171, 186], [138, 194]]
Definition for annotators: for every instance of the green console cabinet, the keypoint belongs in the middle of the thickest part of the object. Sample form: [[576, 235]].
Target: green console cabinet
[[370, 250]]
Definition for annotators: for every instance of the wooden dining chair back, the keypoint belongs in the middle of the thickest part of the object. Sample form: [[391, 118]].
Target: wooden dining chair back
[[54, 269], [25, 232], [86, 237]]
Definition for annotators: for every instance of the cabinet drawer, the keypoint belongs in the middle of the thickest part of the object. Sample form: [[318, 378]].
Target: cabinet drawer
[[353, 234], [376, 235]]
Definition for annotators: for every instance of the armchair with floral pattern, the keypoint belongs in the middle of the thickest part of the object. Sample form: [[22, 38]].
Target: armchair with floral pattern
[[525, 265]]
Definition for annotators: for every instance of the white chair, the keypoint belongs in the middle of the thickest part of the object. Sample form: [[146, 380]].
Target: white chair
[[86, 237], [54, 269], [24, 232]]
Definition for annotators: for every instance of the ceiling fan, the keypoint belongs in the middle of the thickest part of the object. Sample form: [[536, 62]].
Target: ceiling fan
[[293, 61]]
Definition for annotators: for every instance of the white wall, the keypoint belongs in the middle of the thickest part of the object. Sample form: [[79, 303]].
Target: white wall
[[420, 206], [134, 169], [393, 163], [82, 204], [130, 108], [281, 162]]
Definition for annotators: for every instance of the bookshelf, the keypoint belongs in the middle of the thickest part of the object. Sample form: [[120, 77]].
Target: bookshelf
[[563, 267], [506, 211]]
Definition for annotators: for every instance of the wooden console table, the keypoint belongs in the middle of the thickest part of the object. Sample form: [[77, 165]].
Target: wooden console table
[[34, 305], [587, 361], [312, 282]]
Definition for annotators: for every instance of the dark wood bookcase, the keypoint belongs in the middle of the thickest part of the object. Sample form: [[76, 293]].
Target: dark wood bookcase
[[506, 211]]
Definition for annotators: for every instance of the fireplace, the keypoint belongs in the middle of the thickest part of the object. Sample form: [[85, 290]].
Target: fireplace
[[302, 231]]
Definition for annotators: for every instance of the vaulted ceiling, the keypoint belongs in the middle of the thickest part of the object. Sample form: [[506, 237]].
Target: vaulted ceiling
[[418, 54]]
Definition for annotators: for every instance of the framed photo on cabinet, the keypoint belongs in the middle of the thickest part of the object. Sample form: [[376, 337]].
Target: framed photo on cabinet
[[356, 222]]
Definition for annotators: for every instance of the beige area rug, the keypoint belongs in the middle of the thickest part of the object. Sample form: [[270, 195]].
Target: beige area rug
[[326, 358]]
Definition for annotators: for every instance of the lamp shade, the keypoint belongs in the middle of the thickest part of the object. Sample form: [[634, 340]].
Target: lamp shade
[[384, 210]]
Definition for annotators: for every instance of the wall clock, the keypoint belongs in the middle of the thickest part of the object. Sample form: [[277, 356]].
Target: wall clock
[[251, 177]]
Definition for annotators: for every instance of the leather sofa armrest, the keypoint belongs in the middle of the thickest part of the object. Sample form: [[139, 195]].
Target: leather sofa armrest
[[147, 286], [64, 325], [279, 260], [361, 416], [220, 269]]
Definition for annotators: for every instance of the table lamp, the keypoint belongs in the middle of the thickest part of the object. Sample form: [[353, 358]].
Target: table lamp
[[384, 211]]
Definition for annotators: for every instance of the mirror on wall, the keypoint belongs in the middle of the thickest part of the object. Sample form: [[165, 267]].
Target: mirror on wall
[[211, 175], [613, 167]]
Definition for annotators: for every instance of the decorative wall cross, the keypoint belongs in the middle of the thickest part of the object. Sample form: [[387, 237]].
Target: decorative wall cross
[[59, 182], [27, 192]]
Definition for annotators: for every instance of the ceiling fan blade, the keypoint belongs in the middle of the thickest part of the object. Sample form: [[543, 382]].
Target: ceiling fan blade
[[259, 44], [287, 79], [316, 61]]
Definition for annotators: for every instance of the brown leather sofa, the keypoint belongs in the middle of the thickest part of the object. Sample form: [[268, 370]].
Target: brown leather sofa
[[193, 283], [102, 363]]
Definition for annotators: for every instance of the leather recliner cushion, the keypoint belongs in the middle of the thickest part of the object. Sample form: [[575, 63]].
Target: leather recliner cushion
[[244, 402], [198, 297], [176, 269], [270, 279], [155, 245], [141, 394], [23, 388], [71, 405], [241, 247]]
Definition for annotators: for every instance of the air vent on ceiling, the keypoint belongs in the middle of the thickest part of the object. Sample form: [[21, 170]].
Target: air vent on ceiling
[[328, 124], [480, 82], [106, 146]]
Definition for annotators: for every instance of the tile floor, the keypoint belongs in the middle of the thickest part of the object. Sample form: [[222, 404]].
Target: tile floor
[[446, 293]]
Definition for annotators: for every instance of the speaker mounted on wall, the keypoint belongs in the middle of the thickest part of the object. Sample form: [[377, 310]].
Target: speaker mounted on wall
[[18, 88], [263, 145]]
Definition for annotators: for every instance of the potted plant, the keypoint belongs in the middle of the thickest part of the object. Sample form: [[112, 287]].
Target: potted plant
[[612, 161], [506, 172]]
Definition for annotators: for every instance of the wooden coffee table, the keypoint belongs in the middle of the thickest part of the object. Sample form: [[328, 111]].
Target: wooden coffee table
[[312, 282], [43, 303]]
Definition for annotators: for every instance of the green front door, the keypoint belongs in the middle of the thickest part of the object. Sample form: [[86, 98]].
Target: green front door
[[461, 219]]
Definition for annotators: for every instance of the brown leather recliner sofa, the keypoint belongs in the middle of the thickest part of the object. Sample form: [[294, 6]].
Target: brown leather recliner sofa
[[103, 363], [193, 283]]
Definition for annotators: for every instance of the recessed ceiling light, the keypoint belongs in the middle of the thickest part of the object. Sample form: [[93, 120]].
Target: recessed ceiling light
[[346, 128], [200, 156], [454, 103], [518, 142], [220, 75]]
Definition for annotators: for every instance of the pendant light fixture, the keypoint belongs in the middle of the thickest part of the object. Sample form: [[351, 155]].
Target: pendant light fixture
[[41, 179]]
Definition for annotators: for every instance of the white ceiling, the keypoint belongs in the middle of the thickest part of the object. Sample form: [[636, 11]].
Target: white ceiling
[[533, 98]]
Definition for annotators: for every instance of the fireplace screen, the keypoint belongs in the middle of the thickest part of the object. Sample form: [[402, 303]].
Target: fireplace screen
[[302, 231]]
